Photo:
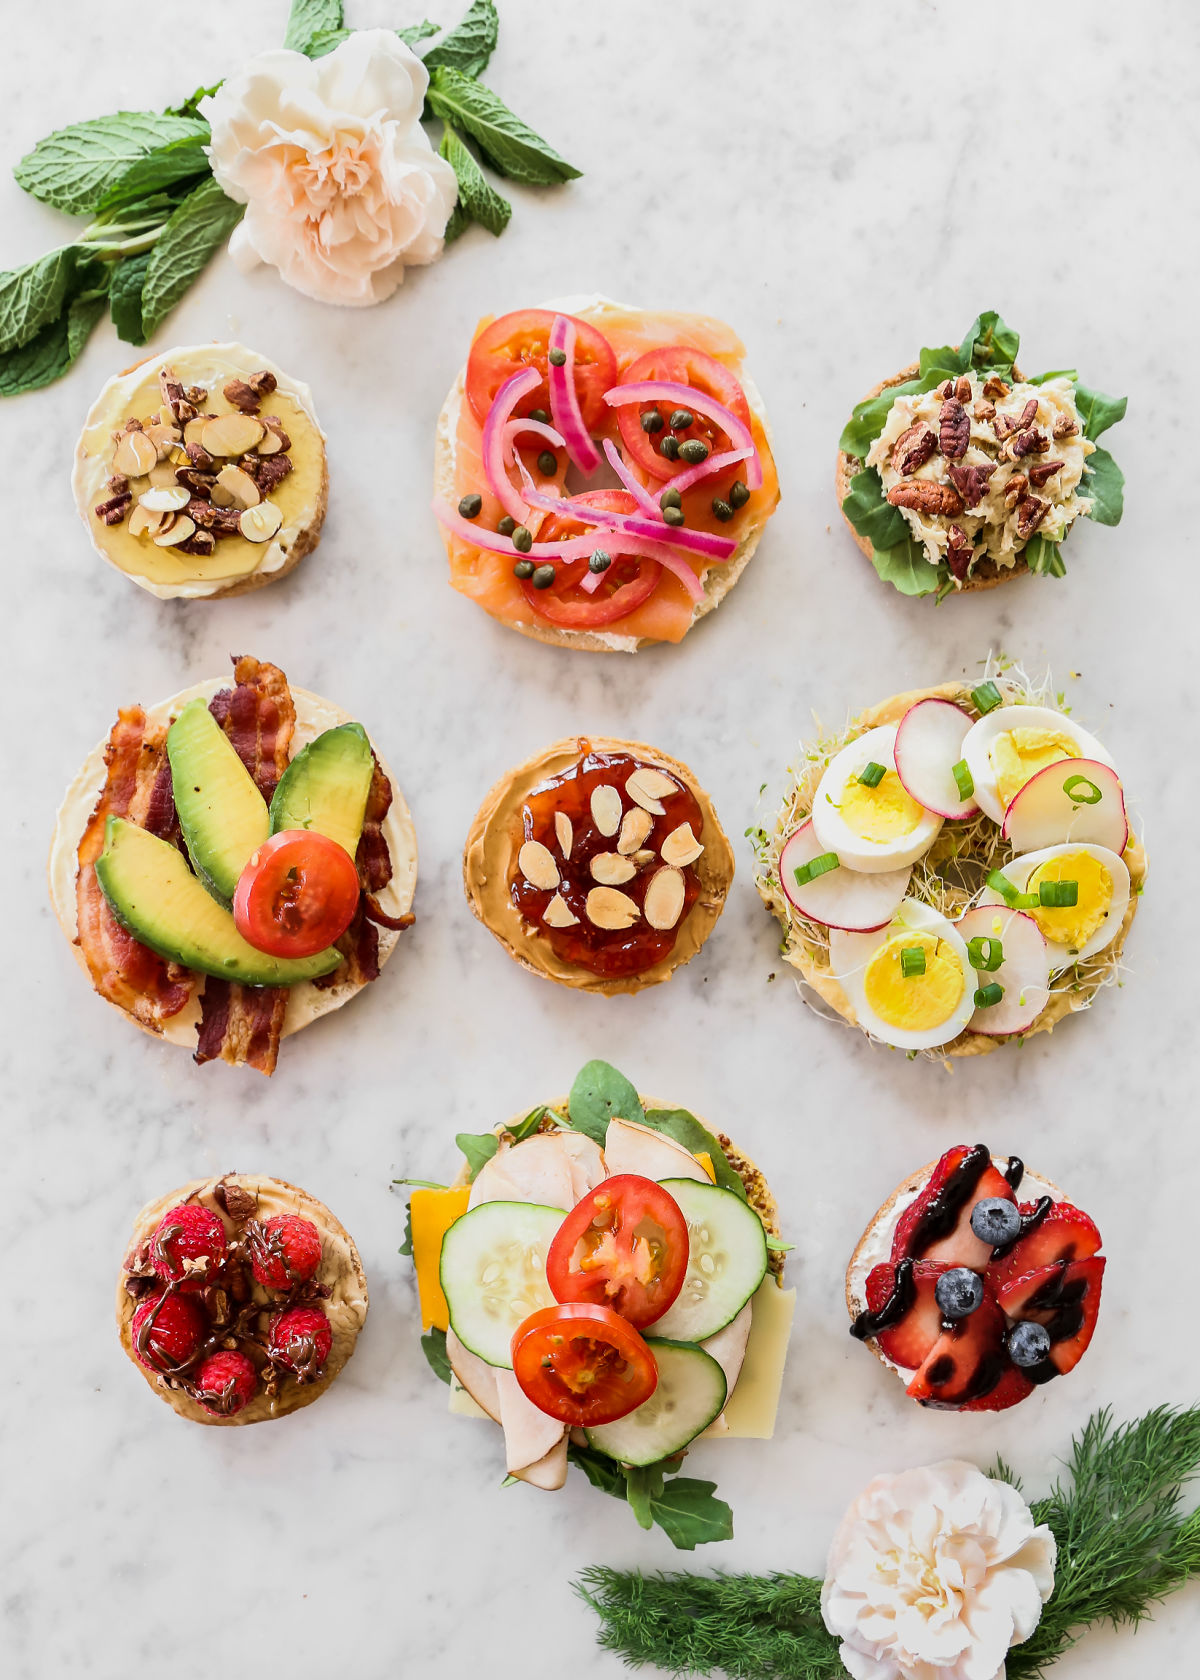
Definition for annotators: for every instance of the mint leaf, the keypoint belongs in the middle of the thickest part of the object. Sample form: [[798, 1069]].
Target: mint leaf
[[74, 167], [1042, 556], [689, 1514], [166, 166], [478, 199], [325, 40], [509, 146], [417, 32], [47, 356], [599, 1093], [125, 297], [871, 514], [191, 107], [695, 1137], [870, 417], [198, 228], [459, 223], [82, 316], [906, 568], [1097, 411], [433, 1346], [307, 18], [1105, 484], [32, 297], [469, 46]]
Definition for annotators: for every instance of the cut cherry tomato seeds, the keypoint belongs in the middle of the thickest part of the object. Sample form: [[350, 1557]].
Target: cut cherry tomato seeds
[[521, 340], [624, 1246], [583, 1364], [297, 894], [678, 364]]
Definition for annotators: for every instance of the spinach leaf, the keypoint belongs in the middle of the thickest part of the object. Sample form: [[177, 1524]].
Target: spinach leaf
[[684, 1508], [509, 145], [696, 1138], [871, 514], [166, 166], [125, 297], [599, 1093], [1042, 556], [478, 1147], [1098, 413], [870, 417], [470, 45], [308, 18], [1105, 484], [1054, 373], [479, 200], [906, 568], [433, 1346], [74, 167], [198, 228], [34, 296], [990, 343]]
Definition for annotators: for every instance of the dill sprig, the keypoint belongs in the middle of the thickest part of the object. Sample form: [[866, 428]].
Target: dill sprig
[[1123, 1545]]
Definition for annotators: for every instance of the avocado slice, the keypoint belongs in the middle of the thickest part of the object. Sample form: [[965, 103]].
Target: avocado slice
[[326, 786], [222, 814], [155, 897]]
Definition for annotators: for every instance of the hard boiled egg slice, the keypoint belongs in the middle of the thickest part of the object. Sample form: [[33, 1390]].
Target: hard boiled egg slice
[[915, 1001], [874, 825], [1074, 931], [1009, 745], [1013, 943]]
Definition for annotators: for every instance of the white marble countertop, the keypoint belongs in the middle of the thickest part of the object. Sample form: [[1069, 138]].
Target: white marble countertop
[[842, 196]]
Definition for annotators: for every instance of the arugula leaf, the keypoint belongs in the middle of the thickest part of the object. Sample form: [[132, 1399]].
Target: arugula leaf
[[690, 1515], [1105, 484], [198, 228], [599, 1093], [869, 418], [696, 1138], [990, 343], [603, 1472], [906, 568], [125, 297], [34, 296], [1043, 557], [433, 1346], [470, 45], [191, 105], [478, 1147], [308, 18], [512, 148], [871, 514], [643, 1484], [478, 199], [1097, 411], [166, 166], [74, 167]]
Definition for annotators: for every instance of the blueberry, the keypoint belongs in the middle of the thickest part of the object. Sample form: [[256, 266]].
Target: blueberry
[[958, 1292], [1028, 1343], [995, 1220]]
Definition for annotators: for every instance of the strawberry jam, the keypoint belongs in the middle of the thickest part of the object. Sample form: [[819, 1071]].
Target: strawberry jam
[[612, 953]]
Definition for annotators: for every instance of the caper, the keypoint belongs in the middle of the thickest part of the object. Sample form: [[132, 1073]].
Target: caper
[[670, 498], [673, 515], [524, 569], [738, 494], [652, 421], [558, 358], [471, 506], [543, 577], [600, 561], [547, 463], [522, 539], [669, 447], [540, 415], [507, 525], [722, 510], [693, 452], [681, 420]]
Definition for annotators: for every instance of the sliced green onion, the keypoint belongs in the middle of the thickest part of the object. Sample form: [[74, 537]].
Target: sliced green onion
[[1073, 785], [987, 996], [1058, 895], [985, 955], [963, 779], [871, 774], [986, 698], [1015, 900], [814, 867], [912, 961]]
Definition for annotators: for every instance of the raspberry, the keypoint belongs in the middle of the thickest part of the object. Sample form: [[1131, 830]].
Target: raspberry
[[225, 1383], [300, 1341], [284, 1251], [167, 1332], [187, 1233]]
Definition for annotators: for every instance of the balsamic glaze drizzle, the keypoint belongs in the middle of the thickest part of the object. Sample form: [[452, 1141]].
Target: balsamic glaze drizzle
[[942, 1211], [893, 1309]]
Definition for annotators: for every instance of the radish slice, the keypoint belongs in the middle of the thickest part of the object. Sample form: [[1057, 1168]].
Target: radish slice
[[564, 399], [495, 471], [637, 490], [841, 898], [928, 745], [1024, 971], [685, 396], [1073, 799], [707, 543], [705, 469]]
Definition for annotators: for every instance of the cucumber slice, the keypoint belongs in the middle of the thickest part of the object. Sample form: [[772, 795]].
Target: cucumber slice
[[690, 1394], [727, 1261], [493, 1273]]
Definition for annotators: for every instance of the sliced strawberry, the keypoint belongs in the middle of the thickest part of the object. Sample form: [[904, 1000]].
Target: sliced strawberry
[[908, 1342], [1066, 1233], [1013, 1387], [1066, 1299], [937, 1226], [967, 1362]]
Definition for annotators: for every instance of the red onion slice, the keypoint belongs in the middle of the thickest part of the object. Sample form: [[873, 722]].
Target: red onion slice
[[684, 396], [704, 469], [514, 428], [707, 543], [637, 490], [518, 385], [564, 400]]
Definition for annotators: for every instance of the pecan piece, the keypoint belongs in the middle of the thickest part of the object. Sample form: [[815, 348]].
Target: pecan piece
[[175, 397], [963, 389], [200, 542], [1005, 425], [946, 390], [238, 1203], [995, 387], [1031, 442], [1029, 413], [1042, 470], [267, 470], [1065, 427], [114, 510], [984, 410], [199, 483], [954, 429], [913, 448], [222, 522], [1031, 510], [1015, 488], [196, 394], [959, 553], [274, 425], [199, 457], [262, 383], [971, 482], [925, 497], [240, 394], [117, 484]]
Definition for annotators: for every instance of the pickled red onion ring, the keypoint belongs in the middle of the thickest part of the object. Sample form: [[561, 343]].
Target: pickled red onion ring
[[638, 491], [686, 396], [715, 464], [707, 543], [518, 385], [514, 428], [564, 400]]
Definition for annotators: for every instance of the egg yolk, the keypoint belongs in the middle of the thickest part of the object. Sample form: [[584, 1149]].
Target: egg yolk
[[1018, 754], [920, 1001], [884, 812], [1074, 926]]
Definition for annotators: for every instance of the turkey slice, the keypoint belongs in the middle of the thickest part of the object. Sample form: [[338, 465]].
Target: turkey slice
[[728, 1348], [475, 1375], [529, 1435], [549, 1472], [631, 1148], [553, 1169]]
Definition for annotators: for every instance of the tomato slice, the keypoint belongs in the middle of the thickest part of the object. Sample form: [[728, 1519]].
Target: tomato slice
[[297, 894], [583, 1364], [630, 580], [521, 340], [682, 365], [625, 1246]]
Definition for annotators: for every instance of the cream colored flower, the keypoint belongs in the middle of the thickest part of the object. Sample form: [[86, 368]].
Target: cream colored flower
[[341, 186], [933, 1574]]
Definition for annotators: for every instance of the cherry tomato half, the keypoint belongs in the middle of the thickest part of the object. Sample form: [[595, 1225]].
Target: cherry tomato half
[[297, 894], [628, 582], [521, 340], [625, 1246], [683, 365], [582, 1364]]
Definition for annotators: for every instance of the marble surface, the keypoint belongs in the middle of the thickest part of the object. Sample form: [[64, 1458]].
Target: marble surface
[[845, 184]]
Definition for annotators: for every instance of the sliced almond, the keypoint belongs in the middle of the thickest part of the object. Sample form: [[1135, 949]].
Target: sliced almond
[[259, 524], [648, 788], [193, 429], [611, 869], [606, 808], [663, 903], [271, 444], [162, 437], [559, 913], [163, 475], [165, 498], [220, 497], [537, 864], [243, 491], [634, 829], [134, 455], [231, 434], [612, 910], [643, 858], [681, 846], [565, 831], [143, 523], [179, 530]]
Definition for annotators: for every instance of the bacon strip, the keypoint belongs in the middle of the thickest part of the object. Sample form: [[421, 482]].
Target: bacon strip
[[241, 1024], [123, 970]]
